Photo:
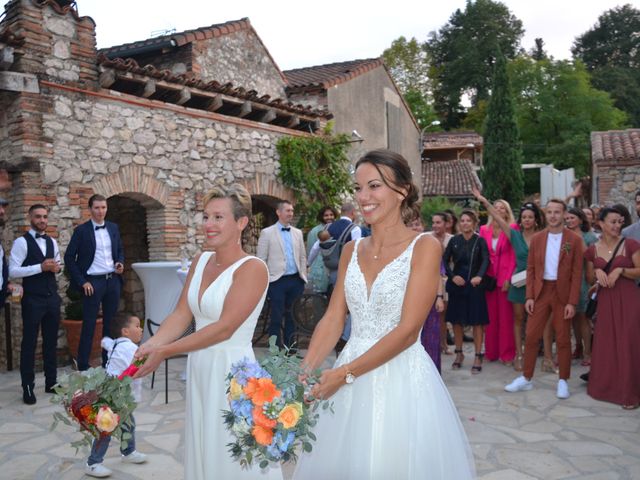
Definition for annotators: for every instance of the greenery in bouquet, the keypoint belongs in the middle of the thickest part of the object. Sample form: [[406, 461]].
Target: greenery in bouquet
[[271, 412], [99, 403]]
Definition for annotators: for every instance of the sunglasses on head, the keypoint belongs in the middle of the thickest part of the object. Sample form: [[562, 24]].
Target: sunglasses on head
[[527, 206]]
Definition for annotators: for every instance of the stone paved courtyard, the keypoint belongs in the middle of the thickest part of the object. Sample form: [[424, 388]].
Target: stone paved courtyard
[[514, 436]]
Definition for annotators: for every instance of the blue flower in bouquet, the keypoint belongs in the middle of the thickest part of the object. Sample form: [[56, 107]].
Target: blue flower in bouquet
[[246, 369], [284, 444], [274, 452], [243, 408]]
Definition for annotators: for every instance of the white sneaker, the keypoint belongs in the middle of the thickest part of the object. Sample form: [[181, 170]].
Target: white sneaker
[[97, 470], [134, 457], [563, 389], [520, 384]]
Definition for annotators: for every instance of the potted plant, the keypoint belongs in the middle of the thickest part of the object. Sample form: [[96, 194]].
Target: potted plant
[[72, 324]]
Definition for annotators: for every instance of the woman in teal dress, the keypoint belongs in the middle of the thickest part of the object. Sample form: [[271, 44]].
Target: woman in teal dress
[[318, 276], [529, 222], [577, 222]]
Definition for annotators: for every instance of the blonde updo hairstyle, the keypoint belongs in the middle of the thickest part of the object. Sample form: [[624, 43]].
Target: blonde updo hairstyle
[[402, 177], [240, 201]]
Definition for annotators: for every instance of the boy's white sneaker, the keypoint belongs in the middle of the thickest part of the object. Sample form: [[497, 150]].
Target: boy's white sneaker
[[520, 384], [97, 470], [563, 390], [134, 457]]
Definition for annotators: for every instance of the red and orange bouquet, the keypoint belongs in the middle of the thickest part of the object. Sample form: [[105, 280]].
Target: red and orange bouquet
[[271, 415], [99, 403]]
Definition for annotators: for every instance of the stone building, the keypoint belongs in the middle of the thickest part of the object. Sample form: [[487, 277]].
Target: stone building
[[615, 163], [361, 96], [151, 132], [444, 146]]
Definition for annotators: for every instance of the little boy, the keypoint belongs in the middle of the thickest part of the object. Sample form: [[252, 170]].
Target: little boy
[[126, 330]]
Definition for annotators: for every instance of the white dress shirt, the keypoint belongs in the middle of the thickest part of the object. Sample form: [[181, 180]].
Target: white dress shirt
[[552, 256], [103, 259], [1, 256], [19, 254], [119, 358]]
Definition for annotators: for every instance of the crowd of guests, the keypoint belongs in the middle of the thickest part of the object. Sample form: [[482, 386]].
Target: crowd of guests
[[522, 285]]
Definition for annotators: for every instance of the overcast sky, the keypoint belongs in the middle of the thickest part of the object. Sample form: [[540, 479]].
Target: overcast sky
[[300, 34]]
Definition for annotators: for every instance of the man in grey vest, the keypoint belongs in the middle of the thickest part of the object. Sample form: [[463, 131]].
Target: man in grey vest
[[35, 258]]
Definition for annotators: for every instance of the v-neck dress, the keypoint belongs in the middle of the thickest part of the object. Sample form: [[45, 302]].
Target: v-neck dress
[[206, 453], [398, 420]]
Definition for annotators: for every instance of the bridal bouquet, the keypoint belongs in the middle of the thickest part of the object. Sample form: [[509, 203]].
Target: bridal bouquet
[[271, 412], [100, 403]]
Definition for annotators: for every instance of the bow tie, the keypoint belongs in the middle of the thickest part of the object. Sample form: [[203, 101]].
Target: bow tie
[[285, 229], [41, 235], [98, 227]]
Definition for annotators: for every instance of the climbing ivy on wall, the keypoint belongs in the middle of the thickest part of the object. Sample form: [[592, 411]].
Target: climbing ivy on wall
[[317, 170]]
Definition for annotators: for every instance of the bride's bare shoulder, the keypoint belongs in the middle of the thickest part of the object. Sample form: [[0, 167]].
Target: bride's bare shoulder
[[426, 247]]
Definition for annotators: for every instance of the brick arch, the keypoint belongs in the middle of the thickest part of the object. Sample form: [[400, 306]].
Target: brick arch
[[266, 185], [132, 181]]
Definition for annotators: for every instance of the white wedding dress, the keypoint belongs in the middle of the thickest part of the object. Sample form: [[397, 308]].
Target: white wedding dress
[[398, 420], [206, 454]]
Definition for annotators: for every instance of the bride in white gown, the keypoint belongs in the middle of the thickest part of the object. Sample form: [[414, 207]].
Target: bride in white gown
[[393, 416], [225, 292]]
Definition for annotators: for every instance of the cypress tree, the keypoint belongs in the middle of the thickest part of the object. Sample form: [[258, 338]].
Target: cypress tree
[[502, 173]]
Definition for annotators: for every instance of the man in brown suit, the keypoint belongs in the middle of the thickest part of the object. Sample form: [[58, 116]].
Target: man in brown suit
[[554, 276]]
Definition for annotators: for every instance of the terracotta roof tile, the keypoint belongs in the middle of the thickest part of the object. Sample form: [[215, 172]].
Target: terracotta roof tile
[[451, 178], [325, 76], [616, 146], [182, 38], [442, 140], [188, 79]]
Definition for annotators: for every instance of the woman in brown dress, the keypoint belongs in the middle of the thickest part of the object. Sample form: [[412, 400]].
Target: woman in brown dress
[[614, 375]]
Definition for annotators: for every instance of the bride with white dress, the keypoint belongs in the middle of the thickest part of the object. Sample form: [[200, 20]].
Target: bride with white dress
[[224, 292], [393, 416]]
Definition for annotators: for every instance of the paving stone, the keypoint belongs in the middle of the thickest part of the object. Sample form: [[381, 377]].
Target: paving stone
[[529, 437], [168, 443], [508, 474], [578, 449], [541, 465]]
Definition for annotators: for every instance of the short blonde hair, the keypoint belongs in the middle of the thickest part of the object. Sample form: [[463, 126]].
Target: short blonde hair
[[511, 219], [239, 196]]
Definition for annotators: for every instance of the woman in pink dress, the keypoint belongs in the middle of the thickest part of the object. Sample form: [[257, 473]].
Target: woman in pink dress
[[615, 358], [499, 339]]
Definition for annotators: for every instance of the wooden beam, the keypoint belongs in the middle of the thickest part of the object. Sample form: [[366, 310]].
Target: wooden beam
[[268, 116], [107, 78], [245, 109], [294, 121], [184, 97], [214, 103], [149, 88]]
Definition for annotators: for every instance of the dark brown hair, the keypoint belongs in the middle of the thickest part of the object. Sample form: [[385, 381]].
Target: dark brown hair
[[96, 198], [402, 176]]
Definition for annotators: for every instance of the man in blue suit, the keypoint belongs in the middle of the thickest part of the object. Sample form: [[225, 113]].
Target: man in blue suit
[[95, 260]]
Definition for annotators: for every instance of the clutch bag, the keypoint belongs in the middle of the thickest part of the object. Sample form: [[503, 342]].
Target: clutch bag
[[519, 279]]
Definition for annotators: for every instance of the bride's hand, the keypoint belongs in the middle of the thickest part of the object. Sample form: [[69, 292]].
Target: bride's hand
[[155, 356], [330, 381]]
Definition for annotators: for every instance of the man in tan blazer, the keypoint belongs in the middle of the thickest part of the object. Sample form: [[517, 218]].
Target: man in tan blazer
[[554, 277], [281, 246]]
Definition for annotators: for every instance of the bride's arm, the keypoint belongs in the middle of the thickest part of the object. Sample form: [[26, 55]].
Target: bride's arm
[[176, 322], [330, 327], [420, 294], [249, 283]]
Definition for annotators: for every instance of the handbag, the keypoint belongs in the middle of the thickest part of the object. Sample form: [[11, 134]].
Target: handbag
[[592, 305], [489, 283], [519, 279]]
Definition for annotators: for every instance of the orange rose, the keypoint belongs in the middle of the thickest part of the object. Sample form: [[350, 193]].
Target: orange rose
[[264, 436], [261, 390], [290, 415], [261, 419]]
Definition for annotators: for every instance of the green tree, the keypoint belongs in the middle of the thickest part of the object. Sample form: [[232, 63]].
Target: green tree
[[502, 172], [408, 64], [611, 52], [463, 54], [316, 169], [557, 108]]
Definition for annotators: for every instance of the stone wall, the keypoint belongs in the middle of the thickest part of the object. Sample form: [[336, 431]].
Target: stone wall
[[617, 183], [239, 58]]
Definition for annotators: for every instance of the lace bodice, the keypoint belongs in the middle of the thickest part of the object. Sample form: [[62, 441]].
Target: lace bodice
[[375, 313]]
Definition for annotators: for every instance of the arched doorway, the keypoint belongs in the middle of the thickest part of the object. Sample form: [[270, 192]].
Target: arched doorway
[[263, 208], [129, 212]]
